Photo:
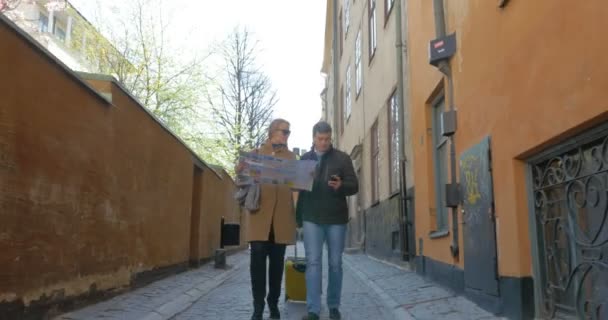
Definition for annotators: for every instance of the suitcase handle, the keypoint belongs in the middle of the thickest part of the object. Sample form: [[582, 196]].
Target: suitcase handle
[[300, 267], [296, 244]]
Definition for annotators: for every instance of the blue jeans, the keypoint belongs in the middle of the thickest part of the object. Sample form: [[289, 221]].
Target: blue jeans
[[314, 237]]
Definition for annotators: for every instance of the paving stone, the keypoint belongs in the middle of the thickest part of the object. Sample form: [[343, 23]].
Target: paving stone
[[372, 290]]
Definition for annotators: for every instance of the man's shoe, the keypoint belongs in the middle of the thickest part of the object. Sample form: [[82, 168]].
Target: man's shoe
[[334, 313], [274, 312], [311, 316]]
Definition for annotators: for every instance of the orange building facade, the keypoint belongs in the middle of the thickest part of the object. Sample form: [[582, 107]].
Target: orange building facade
[[530, 154]]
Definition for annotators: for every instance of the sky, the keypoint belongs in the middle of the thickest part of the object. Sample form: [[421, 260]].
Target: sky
[[290, 35]]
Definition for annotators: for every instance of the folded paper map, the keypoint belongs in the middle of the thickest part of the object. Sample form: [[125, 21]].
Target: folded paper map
[[259, 168]]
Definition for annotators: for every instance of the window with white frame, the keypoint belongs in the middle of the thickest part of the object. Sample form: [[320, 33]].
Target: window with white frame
[[358, 67], [347, 96], [375, 162], [59, 32], [346, 16], [342, 115], [373, 35], [395, 172], [43, 23], [341, 30], [388, 6]]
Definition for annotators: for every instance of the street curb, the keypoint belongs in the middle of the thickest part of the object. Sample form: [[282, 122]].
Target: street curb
[[353, 250], [186, 299], [398, 312], [388, 263]]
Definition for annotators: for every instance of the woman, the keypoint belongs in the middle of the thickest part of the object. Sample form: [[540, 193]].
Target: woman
[[271, 228]]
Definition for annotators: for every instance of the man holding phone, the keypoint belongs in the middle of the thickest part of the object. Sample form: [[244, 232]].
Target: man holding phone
[[323, 213]]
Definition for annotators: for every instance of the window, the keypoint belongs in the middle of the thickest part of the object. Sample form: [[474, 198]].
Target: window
[[375, 163], [388, 6], [342, 113], [341, 34], [347, 97], [43, 23], [373, 36], [440, 155], [395, 172], [60, 33], [346, 16], [358, 67]]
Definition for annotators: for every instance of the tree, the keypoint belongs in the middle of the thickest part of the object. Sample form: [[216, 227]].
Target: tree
[[7, 5], [135, 48], [51, 5], [149, 64], [136, 44], [243, 102]]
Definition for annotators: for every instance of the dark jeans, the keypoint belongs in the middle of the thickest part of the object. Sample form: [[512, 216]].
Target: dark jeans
[[260, 252]]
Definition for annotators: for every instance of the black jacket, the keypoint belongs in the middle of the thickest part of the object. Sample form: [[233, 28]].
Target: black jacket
[[323, 205]]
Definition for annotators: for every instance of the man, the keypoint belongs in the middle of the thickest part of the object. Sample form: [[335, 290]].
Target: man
[[323, 214]]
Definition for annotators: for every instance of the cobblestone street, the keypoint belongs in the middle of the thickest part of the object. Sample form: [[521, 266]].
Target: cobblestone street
[[232, 300], [372, 290]]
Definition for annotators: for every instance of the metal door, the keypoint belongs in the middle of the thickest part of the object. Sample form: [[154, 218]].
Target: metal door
[[480, 262]]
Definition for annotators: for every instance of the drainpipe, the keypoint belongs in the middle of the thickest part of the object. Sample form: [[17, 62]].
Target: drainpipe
[[444, 67], [400, 48], [439, 18], [336, 65]]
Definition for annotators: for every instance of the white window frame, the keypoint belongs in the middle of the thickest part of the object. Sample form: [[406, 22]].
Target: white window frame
[[388, 4], [346, 16], [358, 66], [395, 169], [373, 29], [347, 95]]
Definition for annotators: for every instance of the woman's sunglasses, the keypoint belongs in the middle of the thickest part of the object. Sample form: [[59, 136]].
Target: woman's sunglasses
[[285, 131]]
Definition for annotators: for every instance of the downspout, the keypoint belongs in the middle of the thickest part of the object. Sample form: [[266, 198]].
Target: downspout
[[362, 142], [403, 214], [336, 67], [444, 67]]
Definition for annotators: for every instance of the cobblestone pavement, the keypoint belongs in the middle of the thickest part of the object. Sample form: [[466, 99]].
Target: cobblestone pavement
[[232, 301], [419, 298], [372, 290], [165, 298]]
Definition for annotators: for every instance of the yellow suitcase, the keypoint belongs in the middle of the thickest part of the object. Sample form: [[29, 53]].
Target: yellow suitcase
[[295, 278]]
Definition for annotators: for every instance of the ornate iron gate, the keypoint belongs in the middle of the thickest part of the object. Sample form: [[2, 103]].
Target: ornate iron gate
[[571, 213]]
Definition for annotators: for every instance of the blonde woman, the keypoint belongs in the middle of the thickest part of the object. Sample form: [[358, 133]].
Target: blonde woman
[[271, 228]]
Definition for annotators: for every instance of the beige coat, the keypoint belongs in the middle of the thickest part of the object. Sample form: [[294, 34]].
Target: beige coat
[[276, 207]]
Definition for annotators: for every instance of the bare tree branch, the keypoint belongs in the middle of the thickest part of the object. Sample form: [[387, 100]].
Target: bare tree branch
[[243, 103]]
